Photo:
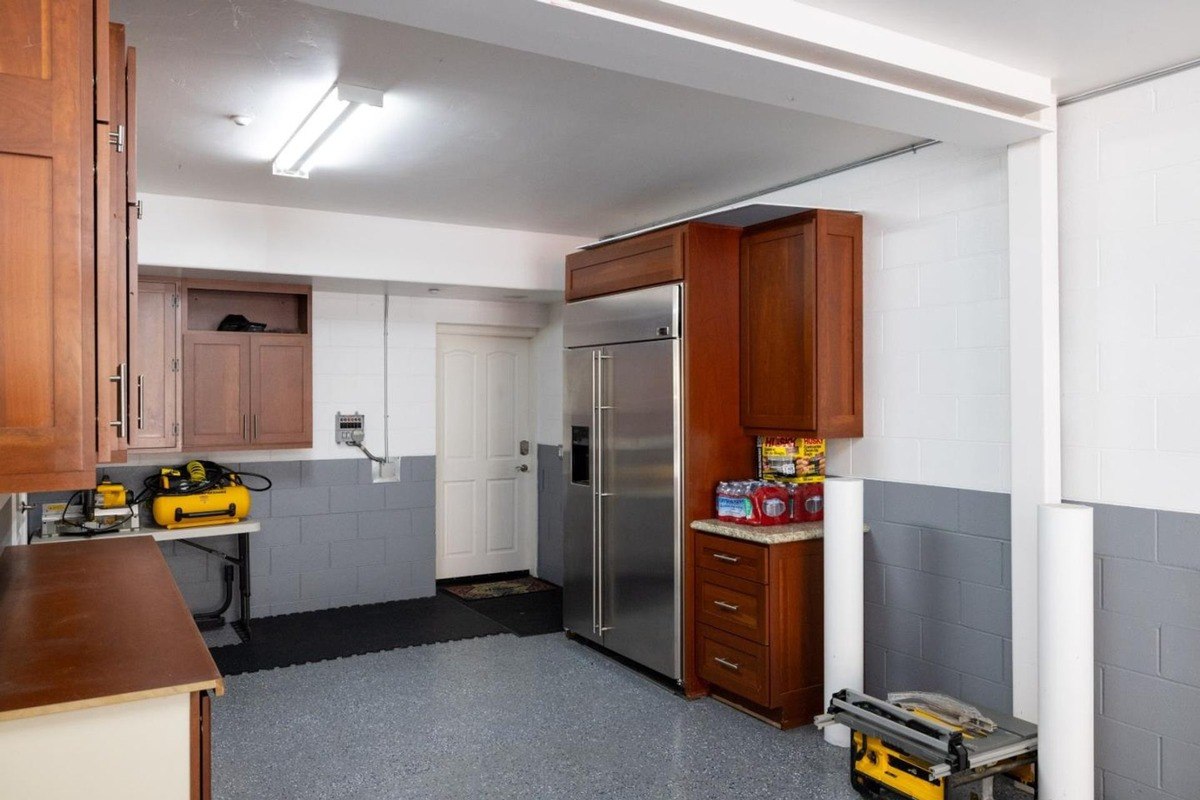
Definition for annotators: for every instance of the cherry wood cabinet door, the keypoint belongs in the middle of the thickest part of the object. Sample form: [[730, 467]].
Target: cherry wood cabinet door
[[802, 327], [216, 390], [281, 389], [156, 365], [47, 389], [112, 268], [779, 317]]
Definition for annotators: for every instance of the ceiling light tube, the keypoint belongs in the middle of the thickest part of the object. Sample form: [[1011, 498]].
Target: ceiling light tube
[[335, 108]]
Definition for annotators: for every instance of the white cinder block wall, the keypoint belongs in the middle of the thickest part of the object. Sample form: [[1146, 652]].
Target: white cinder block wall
[[1130, 222], [936, 318], [935, 284]]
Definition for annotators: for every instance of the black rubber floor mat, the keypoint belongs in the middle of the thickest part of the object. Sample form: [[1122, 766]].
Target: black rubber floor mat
[[290, 639], [530, 614]]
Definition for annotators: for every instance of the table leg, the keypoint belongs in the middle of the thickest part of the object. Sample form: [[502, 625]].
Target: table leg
[[244, 582]]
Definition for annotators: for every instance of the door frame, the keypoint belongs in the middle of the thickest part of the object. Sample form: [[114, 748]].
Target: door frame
[[529, 537]]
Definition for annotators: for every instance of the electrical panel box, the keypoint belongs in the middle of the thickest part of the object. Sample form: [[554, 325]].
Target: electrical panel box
[[349, 428]]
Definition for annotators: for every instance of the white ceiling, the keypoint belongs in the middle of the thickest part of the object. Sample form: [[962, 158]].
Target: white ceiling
[[1080, 44], [471, 133]]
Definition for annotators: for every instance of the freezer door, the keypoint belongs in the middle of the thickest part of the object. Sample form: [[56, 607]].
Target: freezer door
[[579, 540], [639, 502]]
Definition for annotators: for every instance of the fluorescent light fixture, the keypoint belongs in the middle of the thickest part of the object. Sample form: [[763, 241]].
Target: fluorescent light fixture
[[341, 101]]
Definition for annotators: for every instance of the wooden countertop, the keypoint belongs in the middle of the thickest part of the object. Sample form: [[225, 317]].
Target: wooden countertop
[[94, 623], [765, 534]]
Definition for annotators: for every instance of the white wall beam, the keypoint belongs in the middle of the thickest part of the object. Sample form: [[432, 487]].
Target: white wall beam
[[624, 42], [1034, 374]]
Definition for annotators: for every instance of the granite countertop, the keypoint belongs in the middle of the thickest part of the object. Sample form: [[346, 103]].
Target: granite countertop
[[765, 534]]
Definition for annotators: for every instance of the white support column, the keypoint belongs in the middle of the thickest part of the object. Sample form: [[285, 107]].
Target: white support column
[[1034, 376]]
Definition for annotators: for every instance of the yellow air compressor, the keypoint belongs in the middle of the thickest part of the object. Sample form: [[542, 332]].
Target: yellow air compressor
[[200, 493]]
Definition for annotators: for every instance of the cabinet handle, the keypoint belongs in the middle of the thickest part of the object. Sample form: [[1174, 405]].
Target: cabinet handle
[[121, 380], [724, 662], [726, 606], [256, 427], [727, 559], [245, 428], [141, 391]]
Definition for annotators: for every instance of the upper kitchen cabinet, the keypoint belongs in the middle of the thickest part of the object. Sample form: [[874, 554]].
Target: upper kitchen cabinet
[[154, 349], [247, 389], [48, 224], [116, 263], [647, 260], [802, 326]]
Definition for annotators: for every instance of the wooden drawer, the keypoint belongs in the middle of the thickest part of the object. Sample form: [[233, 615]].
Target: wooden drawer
[[735, 664], [648, 260], [732, 604], [733, 557]]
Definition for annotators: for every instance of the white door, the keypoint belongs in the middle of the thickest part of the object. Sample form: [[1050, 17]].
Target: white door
[[486, 503]]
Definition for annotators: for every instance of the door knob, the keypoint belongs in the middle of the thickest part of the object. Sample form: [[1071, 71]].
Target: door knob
[[523, 468]]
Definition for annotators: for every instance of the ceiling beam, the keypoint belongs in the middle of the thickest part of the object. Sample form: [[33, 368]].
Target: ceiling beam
[[622, 42]]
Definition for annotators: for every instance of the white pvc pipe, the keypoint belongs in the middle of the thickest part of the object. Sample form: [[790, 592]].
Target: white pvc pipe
[[1065, 653], [843, 593]]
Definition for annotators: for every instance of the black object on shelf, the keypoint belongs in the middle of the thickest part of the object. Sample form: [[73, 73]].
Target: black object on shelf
[[237, 322]]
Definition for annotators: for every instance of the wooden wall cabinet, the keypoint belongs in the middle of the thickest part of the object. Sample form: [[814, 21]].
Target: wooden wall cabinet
[[760, 632], [157, 361], [647, 260], [802, 326], [116, 265], [246, 390], [47, 237]]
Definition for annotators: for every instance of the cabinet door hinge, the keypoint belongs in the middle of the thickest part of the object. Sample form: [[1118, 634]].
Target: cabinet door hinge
[[174, 301], [174, 365], [138, 206], [174, 428]]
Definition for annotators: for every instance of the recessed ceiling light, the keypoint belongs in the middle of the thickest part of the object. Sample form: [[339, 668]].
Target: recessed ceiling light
[[241, 120], [434, 290], [341, 101]]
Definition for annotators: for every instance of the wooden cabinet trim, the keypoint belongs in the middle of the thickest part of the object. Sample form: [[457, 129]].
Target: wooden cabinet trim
[[648, 260]]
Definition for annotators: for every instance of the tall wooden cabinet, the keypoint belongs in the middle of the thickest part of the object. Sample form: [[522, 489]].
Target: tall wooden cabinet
[[47, 244], [802, 326]]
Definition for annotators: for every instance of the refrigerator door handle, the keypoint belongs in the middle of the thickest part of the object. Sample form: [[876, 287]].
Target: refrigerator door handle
[[598, 488], [595, 455]]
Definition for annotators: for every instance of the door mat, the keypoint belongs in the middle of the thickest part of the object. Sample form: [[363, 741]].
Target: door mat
[[309, 636], [531, 614], [526, 584]]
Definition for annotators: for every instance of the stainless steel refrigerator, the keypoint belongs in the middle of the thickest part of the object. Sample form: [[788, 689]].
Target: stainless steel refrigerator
[[623, 462]]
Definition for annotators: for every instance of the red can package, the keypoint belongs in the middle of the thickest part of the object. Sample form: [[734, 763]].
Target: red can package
[[808, 502], [769, 505]]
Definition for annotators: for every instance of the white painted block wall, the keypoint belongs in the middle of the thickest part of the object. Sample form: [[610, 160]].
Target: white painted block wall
[[1130, 211], [348, 358]]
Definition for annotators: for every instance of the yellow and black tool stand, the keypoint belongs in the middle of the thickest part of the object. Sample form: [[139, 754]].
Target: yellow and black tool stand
[[897, 754]]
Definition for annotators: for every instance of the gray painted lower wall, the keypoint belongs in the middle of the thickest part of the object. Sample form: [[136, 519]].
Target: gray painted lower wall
[[938, 592], [938, 617], [550, 509], [1147, 653], [330, 537]]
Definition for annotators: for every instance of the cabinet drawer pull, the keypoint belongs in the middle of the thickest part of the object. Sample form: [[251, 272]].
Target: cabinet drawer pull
[[726, 558], [726, 606], [724, 662]]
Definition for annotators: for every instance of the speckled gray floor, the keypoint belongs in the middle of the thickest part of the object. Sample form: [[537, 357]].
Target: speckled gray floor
[[220, 636], [499, 717]]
